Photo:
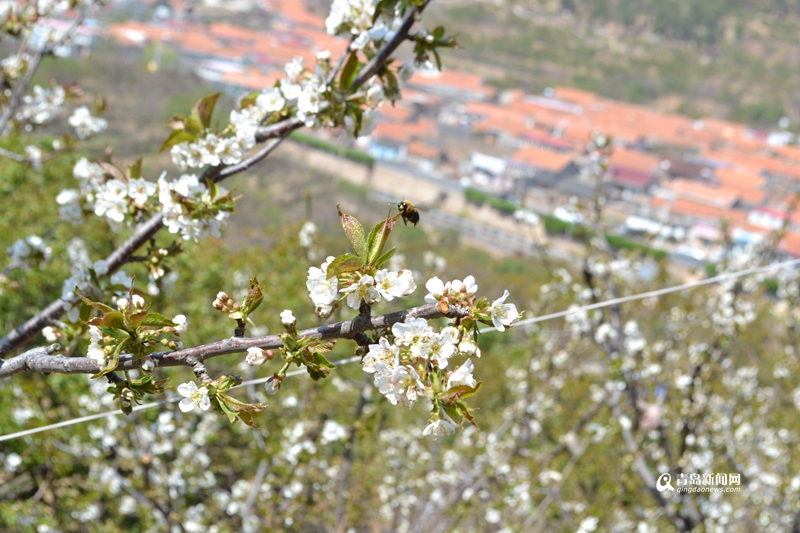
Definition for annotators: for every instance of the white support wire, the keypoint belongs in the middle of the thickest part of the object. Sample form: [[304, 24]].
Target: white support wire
[[144, 406], [532, 320]]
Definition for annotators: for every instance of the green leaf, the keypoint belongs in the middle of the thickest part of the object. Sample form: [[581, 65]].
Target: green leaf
[[205, 108], [382, 260], [349, 71], [344, 263], [112, 363], [438, 32], [438, 60], [320, 368], [249, 100], [155, 320], [253, 298], [234, 408], [103, 308], [355, 233], [456, 394], [391, 86], [176, 137], [135, 171], [114, 319], [191, 124], [377, 238]]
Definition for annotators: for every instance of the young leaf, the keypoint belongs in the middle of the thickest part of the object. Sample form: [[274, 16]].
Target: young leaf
[[103, 308], [249, 100], [343, 263], [114, 319], [155, 320], [355, 233], [383, 259], [456, 394], [377, 238], [349, 71], [176, 137], [205, 108], [253, 298], [135, 172]]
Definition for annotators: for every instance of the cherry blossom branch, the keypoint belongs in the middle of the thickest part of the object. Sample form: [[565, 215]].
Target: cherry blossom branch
[[370, 69], [119, 257], [33, 66], [41, 360], [146, 231], [377, 62]]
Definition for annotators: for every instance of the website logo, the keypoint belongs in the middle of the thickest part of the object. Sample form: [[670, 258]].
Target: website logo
[[664, 483]]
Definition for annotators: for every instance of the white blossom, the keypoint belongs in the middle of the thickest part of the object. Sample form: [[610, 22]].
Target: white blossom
[[182, 324], [441, 427], [406, 71], [462, 376], [323, 292], [307, 233], [383, 352], [399, 383], [294, 68], [271, 100], [255, 356], [85, 124], [412, 332], [364, 289], [503, 314], [438, 348], [287, 318], [193, 397]]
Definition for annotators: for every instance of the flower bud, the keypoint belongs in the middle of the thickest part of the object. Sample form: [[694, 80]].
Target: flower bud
[[469, 348], [255, 356], [138, 302], [182, 324], [123, 304], [273, 384], [287, 319]]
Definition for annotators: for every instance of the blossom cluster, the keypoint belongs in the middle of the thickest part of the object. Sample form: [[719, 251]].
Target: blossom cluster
[[106, 343], [41, 106], [188, 205], [409, 363], [192, 209], [85, 124], [357, 19], [326, 291], [28, 251]]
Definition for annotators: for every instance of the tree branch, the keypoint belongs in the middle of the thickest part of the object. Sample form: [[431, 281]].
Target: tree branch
[[40, 360], [148, 229]]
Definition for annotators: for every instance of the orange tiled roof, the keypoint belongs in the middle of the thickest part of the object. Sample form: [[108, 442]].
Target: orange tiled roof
[[790, 244], [633, 159], [421, 129], [296, 11], [541, 158], [740, 178], [720, 197], [576, 96], [422, 150], [451, 78], [689, 208]]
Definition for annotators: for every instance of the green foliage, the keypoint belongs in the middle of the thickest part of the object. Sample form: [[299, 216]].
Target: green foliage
[[479, 197]]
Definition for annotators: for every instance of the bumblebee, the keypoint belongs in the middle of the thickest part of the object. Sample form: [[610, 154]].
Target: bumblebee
[[408, 212]]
